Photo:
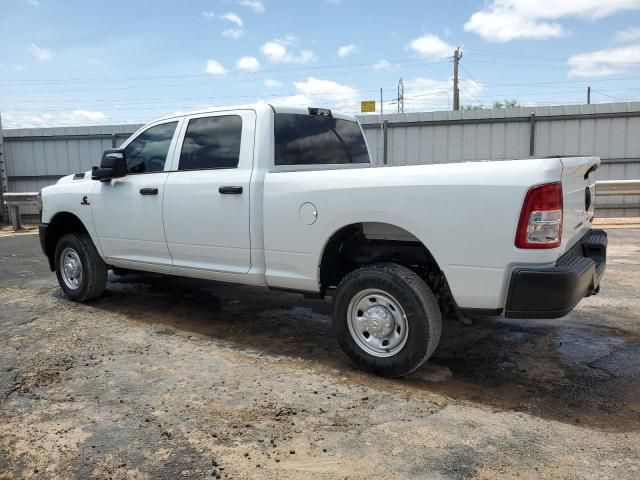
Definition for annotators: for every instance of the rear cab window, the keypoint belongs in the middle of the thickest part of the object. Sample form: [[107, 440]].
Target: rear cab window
[[302, 139]]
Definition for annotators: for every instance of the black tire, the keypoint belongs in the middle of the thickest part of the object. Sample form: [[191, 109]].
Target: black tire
[[94, 271], [421, 311]]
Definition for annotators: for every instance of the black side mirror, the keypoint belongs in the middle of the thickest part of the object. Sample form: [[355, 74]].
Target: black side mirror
[[113, 165]]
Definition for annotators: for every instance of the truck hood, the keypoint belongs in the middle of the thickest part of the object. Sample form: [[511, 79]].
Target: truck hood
[[75, 178]]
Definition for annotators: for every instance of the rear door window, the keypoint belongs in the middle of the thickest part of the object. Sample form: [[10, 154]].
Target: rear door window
[[211, 142], [316, 140]]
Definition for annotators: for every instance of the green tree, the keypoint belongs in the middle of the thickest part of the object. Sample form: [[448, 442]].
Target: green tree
[[507, 104], [473, 107]]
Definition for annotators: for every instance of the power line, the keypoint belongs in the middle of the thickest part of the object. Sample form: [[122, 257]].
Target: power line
[[208, 82], [472, 79], [311, 68], [208, 97], [546, 59], [563, 82], [607, 95], [153, 104]]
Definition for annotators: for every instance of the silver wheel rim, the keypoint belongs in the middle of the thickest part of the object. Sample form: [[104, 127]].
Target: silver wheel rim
[[377, 323], [71, 268]]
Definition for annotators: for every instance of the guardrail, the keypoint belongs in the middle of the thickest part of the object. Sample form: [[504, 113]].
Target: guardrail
[[603, 188], [618, 187], [607, 188], [16, 200]]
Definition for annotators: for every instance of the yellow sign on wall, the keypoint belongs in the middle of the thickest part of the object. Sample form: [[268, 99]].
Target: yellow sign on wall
[[368, 106]]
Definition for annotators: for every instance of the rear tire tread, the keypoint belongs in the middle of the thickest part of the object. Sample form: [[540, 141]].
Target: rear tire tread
[[395, 279]]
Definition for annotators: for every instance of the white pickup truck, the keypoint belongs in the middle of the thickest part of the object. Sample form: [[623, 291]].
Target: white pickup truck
[[286, 198]]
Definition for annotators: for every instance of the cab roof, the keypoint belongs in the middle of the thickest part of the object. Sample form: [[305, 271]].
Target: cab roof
[[260, 106]]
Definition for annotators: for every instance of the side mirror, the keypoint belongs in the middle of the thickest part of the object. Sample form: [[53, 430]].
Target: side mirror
[[113, 165]]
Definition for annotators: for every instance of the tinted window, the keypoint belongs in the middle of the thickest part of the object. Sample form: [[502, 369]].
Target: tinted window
[[211, 142], [308, 140], [148, 151]]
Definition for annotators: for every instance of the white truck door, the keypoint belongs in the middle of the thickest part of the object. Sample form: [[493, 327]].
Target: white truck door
[[127, 211], [206, 204]]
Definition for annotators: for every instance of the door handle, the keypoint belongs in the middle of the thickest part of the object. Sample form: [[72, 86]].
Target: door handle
[[148, 191], [230, 190]]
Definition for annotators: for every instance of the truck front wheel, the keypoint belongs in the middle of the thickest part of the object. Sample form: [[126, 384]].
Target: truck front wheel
[[386, 319], [81, 273]]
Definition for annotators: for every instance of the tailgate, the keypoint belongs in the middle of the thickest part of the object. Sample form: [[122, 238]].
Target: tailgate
[[578, 189]]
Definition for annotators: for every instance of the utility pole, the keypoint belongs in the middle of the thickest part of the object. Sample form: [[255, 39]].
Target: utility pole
[[588, 95], [4, 181], [400, 96], [457, 55], [381, 129]]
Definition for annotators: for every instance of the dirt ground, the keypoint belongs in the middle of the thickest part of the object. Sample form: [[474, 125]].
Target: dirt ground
[[172, 378]]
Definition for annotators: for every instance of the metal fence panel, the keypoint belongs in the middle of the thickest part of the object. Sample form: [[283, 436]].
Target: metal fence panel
[[36, 157], [610, 131]]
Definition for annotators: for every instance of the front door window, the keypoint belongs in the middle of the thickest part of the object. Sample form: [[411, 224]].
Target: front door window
[[148, 151]]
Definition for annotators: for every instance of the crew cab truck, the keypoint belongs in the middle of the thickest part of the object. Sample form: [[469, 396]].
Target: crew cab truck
[[287, 198]]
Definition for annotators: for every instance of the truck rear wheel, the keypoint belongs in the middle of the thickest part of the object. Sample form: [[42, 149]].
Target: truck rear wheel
[[386, 319], [81, 273]]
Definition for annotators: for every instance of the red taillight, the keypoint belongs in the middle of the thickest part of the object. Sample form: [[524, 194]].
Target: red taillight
[[540, 223]]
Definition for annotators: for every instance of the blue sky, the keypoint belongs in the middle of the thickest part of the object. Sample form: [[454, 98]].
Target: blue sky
[[88, 62]]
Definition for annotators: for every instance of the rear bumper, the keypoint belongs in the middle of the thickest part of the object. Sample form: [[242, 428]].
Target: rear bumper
[[553, 292]]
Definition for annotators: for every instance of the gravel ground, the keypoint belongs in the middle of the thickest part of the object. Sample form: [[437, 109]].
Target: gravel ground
[[175, 378]]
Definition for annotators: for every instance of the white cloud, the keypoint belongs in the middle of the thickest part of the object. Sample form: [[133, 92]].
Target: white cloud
[[215, 68], [346, 50], [383, 64], [85, 116], [431, 46], [248, 64], [504, 26], [469, 91], [270, 83], [256, 5], [630, 34], [277, 51], [234, 33], [420, 94], [274, 52], [233, 18], [324, 93], [426, 94], [40, 53], [12, 119], [602, 63], [328, 89], [506, 20]]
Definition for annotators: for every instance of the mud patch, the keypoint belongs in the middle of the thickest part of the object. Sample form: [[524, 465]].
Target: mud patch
[[171, 378]]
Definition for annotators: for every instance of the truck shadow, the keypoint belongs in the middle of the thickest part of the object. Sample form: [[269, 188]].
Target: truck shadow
[[560, 370]]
